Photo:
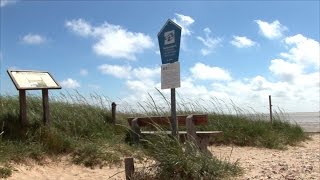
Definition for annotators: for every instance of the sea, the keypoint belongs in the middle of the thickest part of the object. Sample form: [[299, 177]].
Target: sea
[[309, 121]]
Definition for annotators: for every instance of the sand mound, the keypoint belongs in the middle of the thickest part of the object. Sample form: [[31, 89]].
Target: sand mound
[[299, 162]]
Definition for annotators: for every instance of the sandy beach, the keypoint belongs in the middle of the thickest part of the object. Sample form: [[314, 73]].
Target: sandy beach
[[295, 163], [298, 162]]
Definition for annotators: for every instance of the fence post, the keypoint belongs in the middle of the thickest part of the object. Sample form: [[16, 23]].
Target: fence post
[[113, 110], [129, 167], [270, 108]]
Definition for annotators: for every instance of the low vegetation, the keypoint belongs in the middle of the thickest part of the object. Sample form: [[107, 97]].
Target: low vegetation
[[81, 128], [256, 131], [5, 172]]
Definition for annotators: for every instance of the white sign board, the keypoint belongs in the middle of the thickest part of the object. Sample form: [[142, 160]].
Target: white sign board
[[33, 80], [170, 75]]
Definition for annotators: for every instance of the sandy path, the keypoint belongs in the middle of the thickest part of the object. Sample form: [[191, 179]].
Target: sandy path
[[300, 162], [63, 170]]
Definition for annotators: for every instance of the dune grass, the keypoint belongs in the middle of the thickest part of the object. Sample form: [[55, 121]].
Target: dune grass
[[258, 132], [81, 127], [5, 172], [75, 127], [176, 160]]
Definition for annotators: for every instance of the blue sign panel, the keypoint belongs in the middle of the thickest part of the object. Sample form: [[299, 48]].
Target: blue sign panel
[[169, 42]]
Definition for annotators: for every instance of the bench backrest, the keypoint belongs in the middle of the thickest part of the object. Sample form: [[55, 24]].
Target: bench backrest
[[198, 119]]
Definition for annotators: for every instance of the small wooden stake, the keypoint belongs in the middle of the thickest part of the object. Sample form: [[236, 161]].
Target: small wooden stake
[[270, 108], [129, 167], [23, 108], [45, 105], [113, 110]]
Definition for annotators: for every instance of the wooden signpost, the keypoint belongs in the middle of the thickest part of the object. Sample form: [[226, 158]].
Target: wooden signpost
[[169, 39], [33, 80]]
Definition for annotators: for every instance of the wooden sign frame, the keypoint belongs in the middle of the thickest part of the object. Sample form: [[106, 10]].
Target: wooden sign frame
[[37, 80]]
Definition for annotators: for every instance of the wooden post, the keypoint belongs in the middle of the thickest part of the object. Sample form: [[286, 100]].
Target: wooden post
[[23, 108], [270, 108], [113, 110], [135, 130], [129, 167], [191, 132], [45, 105], [173, 112]]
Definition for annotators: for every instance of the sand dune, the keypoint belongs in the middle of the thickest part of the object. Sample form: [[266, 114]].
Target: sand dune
[[299, 162]]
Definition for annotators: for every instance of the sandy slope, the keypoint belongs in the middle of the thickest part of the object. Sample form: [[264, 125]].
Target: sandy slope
[[300, 162]]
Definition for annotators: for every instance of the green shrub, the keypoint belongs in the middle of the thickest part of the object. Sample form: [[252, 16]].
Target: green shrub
[[5, 172], [178, 161], [246, 131], [91, 155]]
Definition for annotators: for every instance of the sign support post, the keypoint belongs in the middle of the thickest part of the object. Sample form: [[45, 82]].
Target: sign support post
[[169, 43], [23, 107], [174, 123], [45, 106]]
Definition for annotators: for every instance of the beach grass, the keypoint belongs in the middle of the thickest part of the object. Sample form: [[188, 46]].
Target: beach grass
[[255, 131], [81, 127], [5, 172], [176, 160]]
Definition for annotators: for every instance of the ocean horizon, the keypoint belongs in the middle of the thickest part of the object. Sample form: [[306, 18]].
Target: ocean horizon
[[309, 121]]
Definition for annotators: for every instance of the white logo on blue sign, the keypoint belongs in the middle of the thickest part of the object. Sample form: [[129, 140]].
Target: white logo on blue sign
[[169, 37]]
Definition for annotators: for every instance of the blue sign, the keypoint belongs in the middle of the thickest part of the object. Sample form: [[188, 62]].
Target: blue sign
[[169, 42]]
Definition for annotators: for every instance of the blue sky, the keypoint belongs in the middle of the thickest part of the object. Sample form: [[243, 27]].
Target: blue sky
[[238, 50]]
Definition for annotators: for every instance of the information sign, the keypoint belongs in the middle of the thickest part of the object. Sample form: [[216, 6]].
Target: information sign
[[169, 42], [29, 80], [170, 75]]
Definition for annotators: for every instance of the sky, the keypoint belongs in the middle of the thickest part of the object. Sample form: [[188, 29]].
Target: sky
[[234, 51]]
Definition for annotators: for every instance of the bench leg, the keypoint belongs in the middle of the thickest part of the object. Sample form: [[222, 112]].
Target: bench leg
[[135, 131], [203, 145]]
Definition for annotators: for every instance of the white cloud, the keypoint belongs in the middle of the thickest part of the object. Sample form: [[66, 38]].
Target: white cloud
[[143, 73], [293, 87], [84, 72], [185, 22], [242, 42], [286, 71], [70, 83], [33, 39], [80, 27], [112, 40], [205, 72], [303, 51], [116, 70], [209, 42], [141, 86], [4, 3], [271, 30]]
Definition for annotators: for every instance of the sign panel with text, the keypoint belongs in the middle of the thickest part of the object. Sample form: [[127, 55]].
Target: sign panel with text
[[170, 75], [29, 80]]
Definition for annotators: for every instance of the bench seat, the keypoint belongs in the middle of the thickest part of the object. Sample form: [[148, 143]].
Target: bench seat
[[200, 138]]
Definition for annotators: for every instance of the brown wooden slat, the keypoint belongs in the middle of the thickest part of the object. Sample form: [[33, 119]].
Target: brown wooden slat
[[198, 119]]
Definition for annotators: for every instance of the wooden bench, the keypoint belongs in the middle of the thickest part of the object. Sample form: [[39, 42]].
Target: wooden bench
[[200, 138]]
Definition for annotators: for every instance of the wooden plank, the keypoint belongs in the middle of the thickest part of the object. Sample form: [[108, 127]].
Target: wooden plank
[[199, 133], [198, 119]]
